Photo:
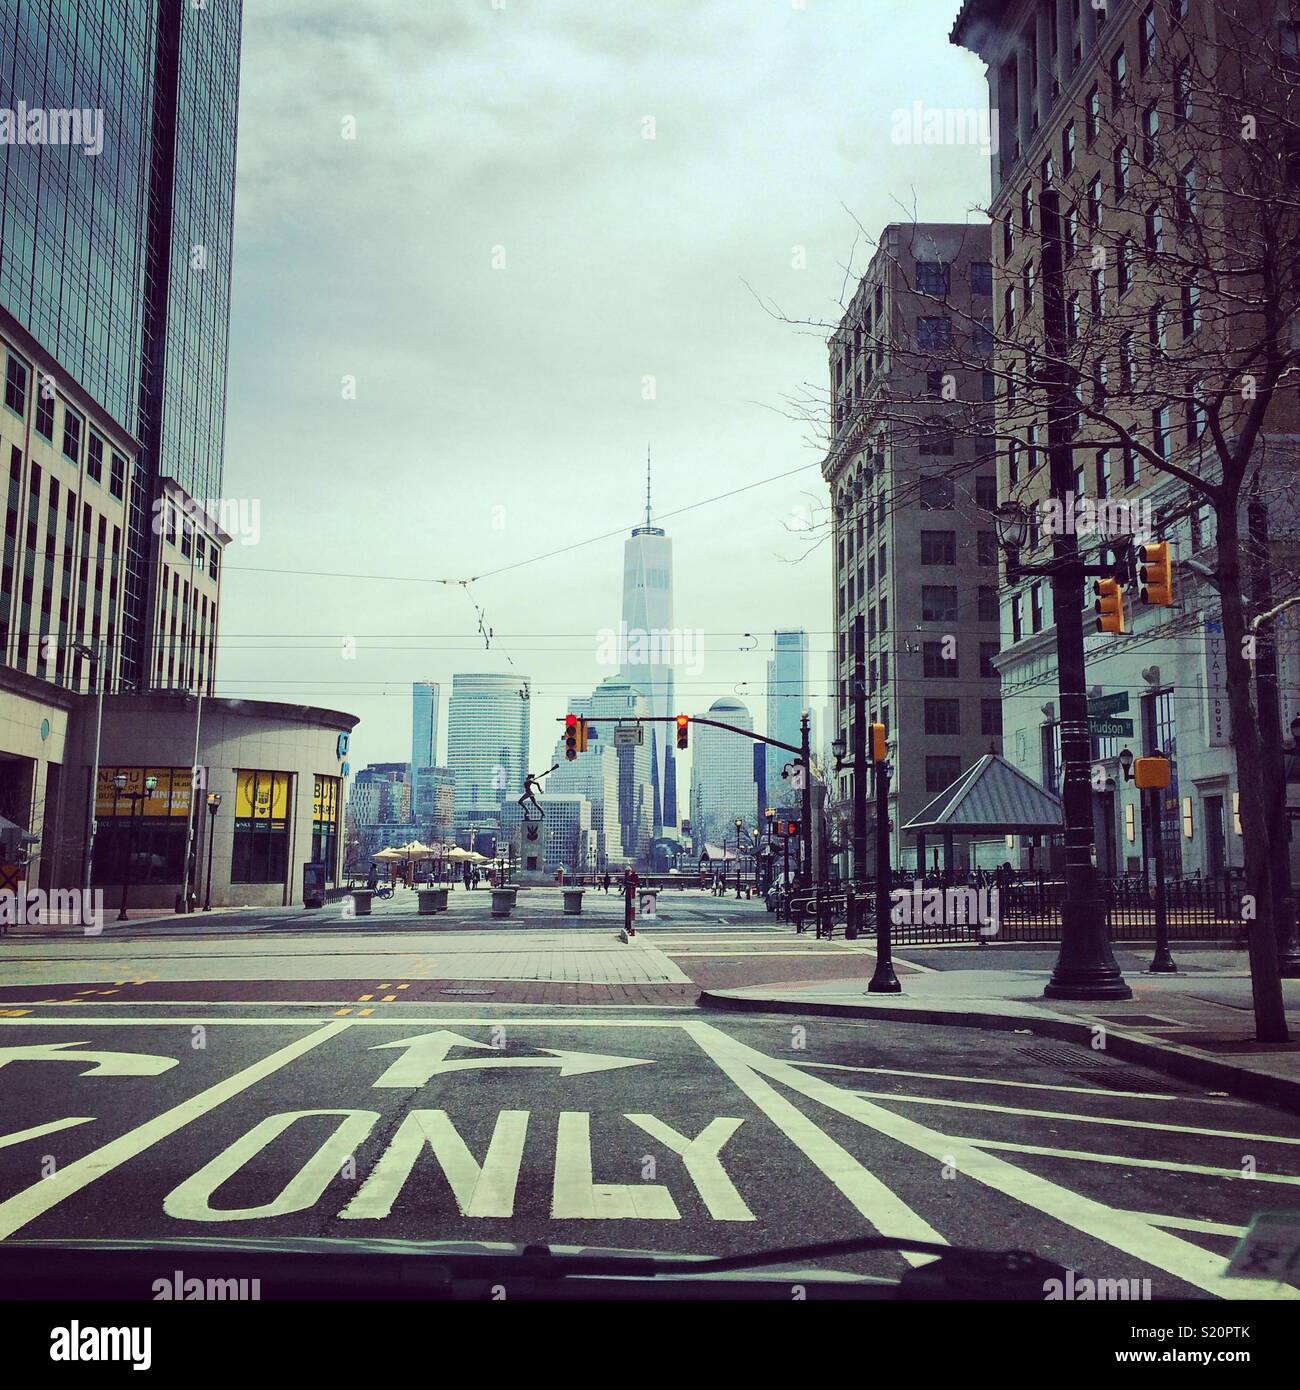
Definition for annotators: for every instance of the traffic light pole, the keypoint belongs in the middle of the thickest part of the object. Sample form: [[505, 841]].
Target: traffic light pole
[[859, 755], [883, 981], [805, 756]]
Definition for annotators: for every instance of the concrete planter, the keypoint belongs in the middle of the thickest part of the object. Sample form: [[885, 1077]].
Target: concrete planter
[[503, 901], [573, 900], [361, 900], [433, 900]]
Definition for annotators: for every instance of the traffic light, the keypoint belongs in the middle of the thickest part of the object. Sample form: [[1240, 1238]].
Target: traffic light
[[683, 725], [792, 828], [1109, 605], [570, 736], [582, 734], [1157, 575], [877, 742]]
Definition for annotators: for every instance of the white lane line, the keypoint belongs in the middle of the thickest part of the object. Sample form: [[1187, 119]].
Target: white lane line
[[1167, 1165], [753, 955], [20, 1136], [1079, 1119], [1024, 1085], [878, 1204], [1180, 1258], [80, 1020], [1187, 1223], [34, 1201]]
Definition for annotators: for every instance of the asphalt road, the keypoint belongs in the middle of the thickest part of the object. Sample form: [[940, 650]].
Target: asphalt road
[[666, 1129]]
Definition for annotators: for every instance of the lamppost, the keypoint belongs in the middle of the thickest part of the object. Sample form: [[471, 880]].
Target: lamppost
[[884, 980], [1288, 944], [738, 825], [1086, 967], [214, 805], [1151, 774], [92, 822], [119, 788], [768, 815]]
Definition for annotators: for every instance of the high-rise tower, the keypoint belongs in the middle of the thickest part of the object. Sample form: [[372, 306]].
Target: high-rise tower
[[647, 635]]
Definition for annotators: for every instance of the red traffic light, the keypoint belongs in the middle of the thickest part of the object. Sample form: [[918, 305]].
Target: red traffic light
[[570, 721]]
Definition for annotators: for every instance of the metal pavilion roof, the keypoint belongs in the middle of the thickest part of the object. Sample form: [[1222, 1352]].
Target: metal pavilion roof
[[992, 797]]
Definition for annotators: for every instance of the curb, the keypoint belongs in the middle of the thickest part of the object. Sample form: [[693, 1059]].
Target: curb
[[1186, 1063]]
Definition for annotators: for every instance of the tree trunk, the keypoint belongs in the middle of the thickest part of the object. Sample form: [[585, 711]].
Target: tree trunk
[[1257, 906]]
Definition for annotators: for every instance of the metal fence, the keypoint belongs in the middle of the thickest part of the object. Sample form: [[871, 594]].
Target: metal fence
[[1197, 909]]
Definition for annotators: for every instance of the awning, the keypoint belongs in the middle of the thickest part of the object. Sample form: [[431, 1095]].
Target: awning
[[992, 797]]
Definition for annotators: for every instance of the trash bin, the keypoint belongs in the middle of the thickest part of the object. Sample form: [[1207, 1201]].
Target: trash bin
[[572, 900], [361, 900], [503, 900], [313, 885]]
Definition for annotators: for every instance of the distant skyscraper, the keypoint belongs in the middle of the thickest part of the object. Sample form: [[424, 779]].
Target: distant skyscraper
[[722, 776], [487, 739], [648, 631], [787, 700], [424, 732], [617, 698]]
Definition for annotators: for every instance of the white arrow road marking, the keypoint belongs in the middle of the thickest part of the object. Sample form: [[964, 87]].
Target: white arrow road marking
[[426, 1057], [105, 1063], [576, 1197], [191, 1200], [1120, 1229], [34, 1201], [20, 1136], [479, 1191]]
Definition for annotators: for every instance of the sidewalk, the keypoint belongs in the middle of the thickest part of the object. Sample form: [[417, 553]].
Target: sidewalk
[[1198, 1026]]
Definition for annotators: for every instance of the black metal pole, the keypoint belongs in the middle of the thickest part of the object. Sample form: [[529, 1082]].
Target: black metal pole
[[1086, 967], [859, 765], [1162, 963], [130, 852], [212, 826], [805, 756], [884, 981]]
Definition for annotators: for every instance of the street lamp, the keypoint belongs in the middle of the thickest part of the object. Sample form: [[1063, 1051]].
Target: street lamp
[[738, 825], [92, 822], [214, 804], [119, 786], [1152, 773]]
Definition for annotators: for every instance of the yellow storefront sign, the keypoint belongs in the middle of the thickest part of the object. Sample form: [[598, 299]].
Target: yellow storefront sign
[[325, 799], [170, 797], [261, 795]]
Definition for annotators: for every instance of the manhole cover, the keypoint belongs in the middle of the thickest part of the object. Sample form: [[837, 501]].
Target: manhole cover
[[1065, 1055], [1118, 1079]]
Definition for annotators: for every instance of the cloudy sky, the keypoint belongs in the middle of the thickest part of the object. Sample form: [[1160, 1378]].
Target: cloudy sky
[[527, 292]]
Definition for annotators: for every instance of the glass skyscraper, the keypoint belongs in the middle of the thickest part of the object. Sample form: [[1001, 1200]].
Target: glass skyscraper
[[118, 263]]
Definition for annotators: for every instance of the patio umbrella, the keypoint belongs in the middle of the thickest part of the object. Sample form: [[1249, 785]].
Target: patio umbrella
[[388, 855], [457, 854]]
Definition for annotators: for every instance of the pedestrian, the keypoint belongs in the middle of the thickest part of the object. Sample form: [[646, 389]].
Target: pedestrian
[[606, 881]]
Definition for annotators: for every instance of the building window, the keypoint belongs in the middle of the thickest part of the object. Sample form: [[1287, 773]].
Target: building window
[[1096, 199], [1093, 118], [936, 494], [936, 439], [1182, 95], [988, 651], [1160, 431], [152, 828], [71, 435], [981, 277], [94, 457], [986, 493], [1067, 149], [1070, 230], [932, 277], [1119, 163], [943, 716], [1154, 224], [1185, 197], [1150, 136], [941, 773], [986, 547], [934, 384], [933, 334], [1013, 461], [988, 604], [1009, 309], [117, 475], [1130, 466], [938, 603], [1036, 608], [991, 717], [1017, 629], [1027, 280], [325, 824], [1147, 38], [934, 665], [1156, 326], [1118, 79], [16, 378], [1103, 472], [45, 408], [261, 839], [938, 547], [1126, 362], [1194, 413], [1191, 308]]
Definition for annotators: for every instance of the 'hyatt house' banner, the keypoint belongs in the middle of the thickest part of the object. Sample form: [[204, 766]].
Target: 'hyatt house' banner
[[1216, 688]]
